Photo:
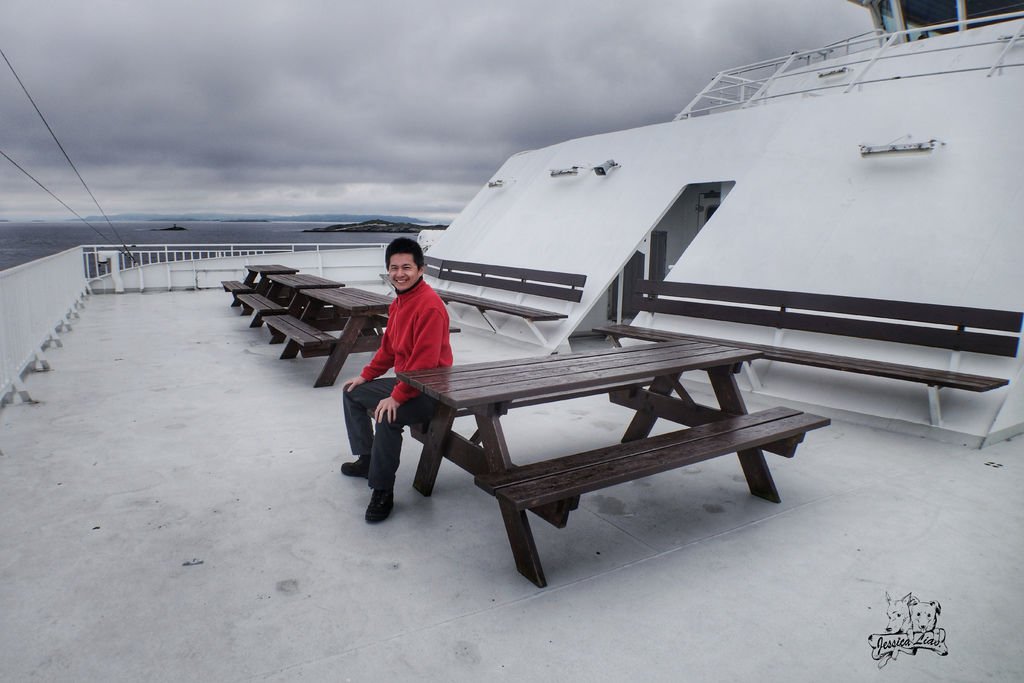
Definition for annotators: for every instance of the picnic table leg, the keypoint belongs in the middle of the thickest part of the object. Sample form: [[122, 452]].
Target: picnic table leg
[[264, 286], [299, 304], [270, 291], [643, 422], [291, 349], [433, 449], [520, 538], [339, 354], [755, 469], [492, 437], [495, 449]]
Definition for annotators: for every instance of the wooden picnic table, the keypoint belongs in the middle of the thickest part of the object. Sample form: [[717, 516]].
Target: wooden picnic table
[[249, 285], [266, 269], [642, 378], [360, 315], [276, 294], [283, 286]]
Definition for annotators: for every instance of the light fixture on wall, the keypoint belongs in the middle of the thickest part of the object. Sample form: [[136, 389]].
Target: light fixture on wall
[[900, 148], [606, 168], [833, 72]]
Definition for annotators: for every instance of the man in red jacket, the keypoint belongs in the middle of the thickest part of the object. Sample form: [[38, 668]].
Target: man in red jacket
[[416, 338]]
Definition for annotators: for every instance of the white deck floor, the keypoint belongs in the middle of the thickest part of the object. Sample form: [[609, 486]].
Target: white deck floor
[[169, 432]]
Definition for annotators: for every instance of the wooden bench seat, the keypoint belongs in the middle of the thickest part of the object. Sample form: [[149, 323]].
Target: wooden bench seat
[[910, 373], [958, 329], [483, 305], [262, 306], [523, 281], [308, 340], [236, 287], [312, 341], [551, 488]]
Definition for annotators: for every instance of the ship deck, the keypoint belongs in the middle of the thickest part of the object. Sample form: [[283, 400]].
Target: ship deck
[[172, 510]]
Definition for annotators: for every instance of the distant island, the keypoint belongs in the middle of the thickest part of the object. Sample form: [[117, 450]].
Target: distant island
[[256, 218], [375, 225]]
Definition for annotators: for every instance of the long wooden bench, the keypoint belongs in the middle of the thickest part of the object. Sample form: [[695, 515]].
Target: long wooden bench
[[955, 328], [302, 336], [311, 341], [261, 306], [523, 281], [551, 486], [236, 287]]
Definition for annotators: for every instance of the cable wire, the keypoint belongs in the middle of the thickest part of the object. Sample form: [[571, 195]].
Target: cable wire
[[47, 190], [68, 158]]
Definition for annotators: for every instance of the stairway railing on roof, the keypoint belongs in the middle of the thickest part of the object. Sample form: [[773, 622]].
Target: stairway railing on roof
[[747, 85]]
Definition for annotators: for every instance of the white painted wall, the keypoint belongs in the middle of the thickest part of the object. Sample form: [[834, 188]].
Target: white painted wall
[[807, 212]]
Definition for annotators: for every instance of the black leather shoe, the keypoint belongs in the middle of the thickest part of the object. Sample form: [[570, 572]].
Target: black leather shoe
[[380, 505], [359, 468]]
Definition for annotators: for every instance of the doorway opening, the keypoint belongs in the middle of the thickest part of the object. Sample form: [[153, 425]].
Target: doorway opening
[[664, 245]]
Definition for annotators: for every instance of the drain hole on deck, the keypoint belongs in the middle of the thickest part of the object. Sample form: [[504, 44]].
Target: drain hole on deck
[[994, 464]]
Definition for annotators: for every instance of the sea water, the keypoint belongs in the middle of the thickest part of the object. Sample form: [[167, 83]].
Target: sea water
[[24, 242]]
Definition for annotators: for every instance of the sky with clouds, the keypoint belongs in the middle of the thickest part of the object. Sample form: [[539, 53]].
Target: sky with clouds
[[339, 106]]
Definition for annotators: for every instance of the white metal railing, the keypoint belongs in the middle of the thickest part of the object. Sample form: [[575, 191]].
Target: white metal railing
[[743, 86], [37, 300], [138, 255], [735, 87], [174, 266]]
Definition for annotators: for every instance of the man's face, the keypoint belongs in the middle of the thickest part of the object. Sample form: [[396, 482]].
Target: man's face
[[403, 271]]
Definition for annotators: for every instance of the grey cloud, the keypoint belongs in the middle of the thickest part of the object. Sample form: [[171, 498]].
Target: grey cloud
[[222, 103]]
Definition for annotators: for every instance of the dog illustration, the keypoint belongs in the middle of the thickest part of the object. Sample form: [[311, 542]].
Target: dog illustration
[[899, 613], [923, 616], [913, 625]]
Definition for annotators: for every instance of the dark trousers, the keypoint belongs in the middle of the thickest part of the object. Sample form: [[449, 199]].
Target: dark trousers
[[383, 445]]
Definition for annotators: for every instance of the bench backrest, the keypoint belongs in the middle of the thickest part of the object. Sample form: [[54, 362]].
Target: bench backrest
[[949, 327], [549, 283]]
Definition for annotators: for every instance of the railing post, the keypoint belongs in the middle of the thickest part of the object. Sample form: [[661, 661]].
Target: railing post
[[142, 275], [685, 113], [17, 389], [867, 67], [768, 81], [1002, 55]]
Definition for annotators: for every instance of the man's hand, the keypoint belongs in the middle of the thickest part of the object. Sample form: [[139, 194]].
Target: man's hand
[[351, 384], [387, 408]]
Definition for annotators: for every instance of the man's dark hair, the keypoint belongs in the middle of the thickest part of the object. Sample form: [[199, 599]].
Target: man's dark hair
[[404, 245]]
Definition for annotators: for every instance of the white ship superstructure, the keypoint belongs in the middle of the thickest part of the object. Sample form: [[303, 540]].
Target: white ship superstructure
[[881, 167]]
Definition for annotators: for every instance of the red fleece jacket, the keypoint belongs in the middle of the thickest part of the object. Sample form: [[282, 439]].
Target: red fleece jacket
[[416, 338]]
